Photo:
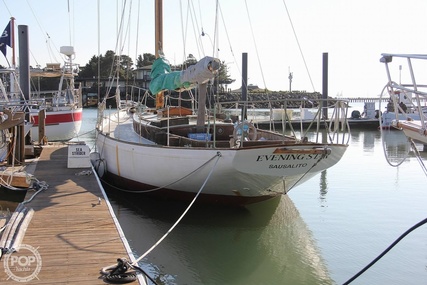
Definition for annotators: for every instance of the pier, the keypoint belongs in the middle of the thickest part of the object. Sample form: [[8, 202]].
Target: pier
[[73, 228]]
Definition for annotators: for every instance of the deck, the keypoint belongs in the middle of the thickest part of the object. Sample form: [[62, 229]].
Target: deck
[[72, 229]]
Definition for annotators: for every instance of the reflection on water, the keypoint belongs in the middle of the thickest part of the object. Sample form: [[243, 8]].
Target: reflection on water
[[364, 205], [396, 145], [267, 243], [323, 188], [336, 223]]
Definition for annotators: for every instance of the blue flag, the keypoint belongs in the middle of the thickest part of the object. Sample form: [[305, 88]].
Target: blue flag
[[5, 39]]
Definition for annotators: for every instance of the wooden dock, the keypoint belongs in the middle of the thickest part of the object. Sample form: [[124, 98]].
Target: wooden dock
[[73, 228]]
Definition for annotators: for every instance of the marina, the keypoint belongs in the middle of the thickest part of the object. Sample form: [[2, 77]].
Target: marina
[[176, 177], [72, 228], [323, 233]]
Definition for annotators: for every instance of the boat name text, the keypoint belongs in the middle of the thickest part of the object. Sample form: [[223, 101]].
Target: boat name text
[[282, 157]]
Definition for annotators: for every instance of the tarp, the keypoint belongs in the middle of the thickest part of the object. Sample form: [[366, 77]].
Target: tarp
[[162, 78]]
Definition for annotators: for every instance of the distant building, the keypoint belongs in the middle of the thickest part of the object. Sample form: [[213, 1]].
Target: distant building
[[143, 75]]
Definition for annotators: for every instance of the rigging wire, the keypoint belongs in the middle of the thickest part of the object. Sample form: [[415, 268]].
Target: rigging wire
[[418, 156], [229, 41], [137, 32], [47, 37], [69, 18], [196, 30], [183, 33], [299, 46], [256, 47]]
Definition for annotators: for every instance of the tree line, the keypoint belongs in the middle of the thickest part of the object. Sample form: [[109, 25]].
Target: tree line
[[110, 64]]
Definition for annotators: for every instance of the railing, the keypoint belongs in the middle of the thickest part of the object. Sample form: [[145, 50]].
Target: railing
[[406, 98], [313, 115], [299, 117]]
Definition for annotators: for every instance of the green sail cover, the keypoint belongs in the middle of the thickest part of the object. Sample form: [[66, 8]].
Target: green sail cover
[[162, 78]]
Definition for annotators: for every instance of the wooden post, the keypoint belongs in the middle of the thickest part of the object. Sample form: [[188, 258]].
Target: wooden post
[[201, 111], [42, 123], [21, 141], [325, 85]]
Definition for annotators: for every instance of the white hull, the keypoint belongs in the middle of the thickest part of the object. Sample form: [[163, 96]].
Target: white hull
[[239, 176], [60, 125]]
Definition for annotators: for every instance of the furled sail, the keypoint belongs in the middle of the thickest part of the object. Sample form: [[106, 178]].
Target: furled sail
[[165, 79]]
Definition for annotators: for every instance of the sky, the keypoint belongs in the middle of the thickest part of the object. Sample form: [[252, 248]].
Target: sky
[[279, 36]]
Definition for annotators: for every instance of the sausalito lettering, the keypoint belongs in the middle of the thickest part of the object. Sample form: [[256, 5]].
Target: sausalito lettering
[[283, 166], [283, 157]]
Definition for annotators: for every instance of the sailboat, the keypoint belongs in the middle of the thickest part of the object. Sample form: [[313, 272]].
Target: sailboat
[[64, 108], [181, 153], [407, 108], [63, 117]]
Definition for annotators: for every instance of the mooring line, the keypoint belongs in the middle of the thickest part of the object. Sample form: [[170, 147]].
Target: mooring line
[[218, 155], [110, 271]]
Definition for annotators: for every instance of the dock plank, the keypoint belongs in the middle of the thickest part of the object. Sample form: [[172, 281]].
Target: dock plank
[[72, 231]]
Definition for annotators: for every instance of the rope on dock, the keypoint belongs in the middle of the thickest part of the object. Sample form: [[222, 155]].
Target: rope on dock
[[39, 186]]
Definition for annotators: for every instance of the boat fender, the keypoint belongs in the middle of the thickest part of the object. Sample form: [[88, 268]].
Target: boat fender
[[246, 129]]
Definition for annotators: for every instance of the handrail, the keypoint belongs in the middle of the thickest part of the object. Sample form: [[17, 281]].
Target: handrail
[[408, 90]]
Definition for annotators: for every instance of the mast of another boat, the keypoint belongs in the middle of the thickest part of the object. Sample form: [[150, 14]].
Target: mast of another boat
[[244, 85], [12, 34]]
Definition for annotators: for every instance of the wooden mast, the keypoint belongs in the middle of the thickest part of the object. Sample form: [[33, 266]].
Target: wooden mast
[[159, 44]]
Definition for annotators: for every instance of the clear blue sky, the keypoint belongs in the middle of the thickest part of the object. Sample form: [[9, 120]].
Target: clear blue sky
[[354, 33]]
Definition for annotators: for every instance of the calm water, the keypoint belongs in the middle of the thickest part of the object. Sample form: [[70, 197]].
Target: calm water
[[322, 232]]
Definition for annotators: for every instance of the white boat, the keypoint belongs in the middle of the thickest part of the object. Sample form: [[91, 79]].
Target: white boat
[[64, 110], [174, 152], [406, 109], [63, 107]]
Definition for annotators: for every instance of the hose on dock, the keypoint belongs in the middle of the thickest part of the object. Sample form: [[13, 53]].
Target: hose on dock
[[15, 229]]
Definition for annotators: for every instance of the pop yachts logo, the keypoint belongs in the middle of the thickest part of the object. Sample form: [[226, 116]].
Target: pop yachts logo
[[23, 265]]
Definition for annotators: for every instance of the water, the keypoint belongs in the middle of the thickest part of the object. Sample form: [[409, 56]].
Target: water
[[323, 232]]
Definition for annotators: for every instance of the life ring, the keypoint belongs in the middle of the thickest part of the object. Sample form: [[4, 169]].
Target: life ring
[[246, 130]]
